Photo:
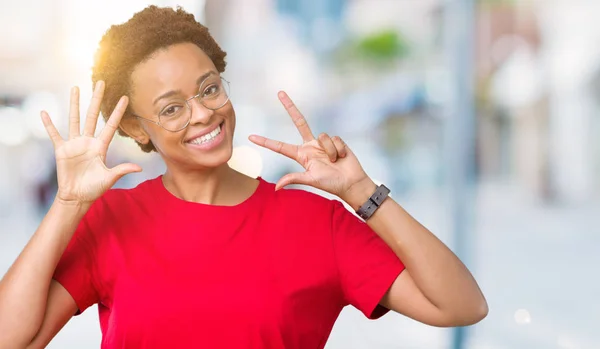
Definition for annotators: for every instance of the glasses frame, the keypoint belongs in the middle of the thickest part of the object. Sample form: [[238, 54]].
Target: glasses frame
[[187, 104]]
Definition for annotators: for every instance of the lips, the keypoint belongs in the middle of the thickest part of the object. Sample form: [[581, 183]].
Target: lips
[[204, 132]]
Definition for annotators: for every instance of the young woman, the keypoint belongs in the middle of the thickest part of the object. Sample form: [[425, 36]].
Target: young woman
[[204, 256]]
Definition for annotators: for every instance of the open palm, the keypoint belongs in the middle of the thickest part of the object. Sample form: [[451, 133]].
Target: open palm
[[329, 163], [80, 160]]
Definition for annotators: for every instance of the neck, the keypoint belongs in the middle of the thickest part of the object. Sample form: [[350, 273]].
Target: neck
[[216, 186]]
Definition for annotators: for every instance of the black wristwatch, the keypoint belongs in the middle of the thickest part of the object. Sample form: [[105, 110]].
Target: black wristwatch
[[368, 208]]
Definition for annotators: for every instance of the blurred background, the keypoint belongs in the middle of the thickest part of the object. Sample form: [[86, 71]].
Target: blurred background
[[481, 116]]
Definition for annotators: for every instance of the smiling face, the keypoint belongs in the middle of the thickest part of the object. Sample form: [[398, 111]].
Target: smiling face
[[160, 85]]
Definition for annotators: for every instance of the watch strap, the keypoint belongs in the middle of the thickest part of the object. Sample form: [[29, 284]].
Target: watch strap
[[368, 208]]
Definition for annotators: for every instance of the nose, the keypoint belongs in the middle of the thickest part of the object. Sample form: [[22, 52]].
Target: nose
[[200, 113]]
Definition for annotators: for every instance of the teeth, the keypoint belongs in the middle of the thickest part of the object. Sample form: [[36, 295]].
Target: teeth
[[207, 137]]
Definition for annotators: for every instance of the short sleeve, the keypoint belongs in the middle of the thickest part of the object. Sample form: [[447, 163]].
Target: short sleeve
[[74, 270], [367, 265]]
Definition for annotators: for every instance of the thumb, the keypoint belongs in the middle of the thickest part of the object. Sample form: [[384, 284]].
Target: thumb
[[123, 169], [293, 178]]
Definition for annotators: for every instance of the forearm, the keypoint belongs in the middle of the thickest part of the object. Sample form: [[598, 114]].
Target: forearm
[[24, 288], [438, 273]]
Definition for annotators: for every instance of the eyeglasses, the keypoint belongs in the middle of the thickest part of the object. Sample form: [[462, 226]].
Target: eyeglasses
[[213, 94]]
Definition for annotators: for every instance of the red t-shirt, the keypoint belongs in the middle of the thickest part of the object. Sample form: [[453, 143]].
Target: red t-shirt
[[272, 272]]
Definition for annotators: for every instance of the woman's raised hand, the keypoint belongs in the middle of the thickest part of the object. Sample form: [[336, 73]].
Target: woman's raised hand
[[328, 162], [80, 160]]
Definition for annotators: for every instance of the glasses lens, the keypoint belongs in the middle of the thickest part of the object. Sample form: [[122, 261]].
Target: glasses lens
[[214, 92], [175, 116]]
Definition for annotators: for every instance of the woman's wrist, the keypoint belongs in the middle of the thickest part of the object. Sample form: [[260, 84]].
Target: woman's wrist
[[70, 208], [359, 193]]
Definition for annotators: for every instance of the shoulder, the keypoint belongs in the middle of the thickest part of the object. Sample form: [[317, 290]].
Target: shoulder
[[117, 201], [115, 210], [142, 190], [320, 208], [304, 200]]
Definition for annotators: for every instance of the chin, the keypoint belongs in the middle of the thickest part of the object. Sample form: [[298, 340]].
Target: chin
[[213, 159]]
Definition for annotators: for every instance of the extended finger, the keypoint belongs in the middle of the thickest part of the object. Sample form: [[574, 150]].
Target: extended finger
[[52, 131], [291, 151], [327, 144], [91, 118], [340, 146], [121, 170], [297, 117], [294, 178], [108, 132], [74, 117]]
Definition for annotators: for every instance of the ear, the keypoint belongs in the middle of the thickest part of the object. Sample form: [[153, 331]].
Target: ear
[[133, 128]]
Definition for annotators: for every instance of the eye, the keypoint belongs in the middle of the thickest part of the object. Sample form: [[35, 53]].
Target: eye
[[211, 90], [171, 110]]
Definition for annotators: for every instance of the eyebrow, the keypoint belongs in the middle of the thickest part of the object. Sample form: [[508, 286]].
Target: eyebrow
[[175, 92]]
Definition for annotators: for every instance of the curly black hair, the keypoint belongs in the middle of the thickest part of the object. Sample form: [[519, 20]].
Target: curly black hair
[[126, 45]]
